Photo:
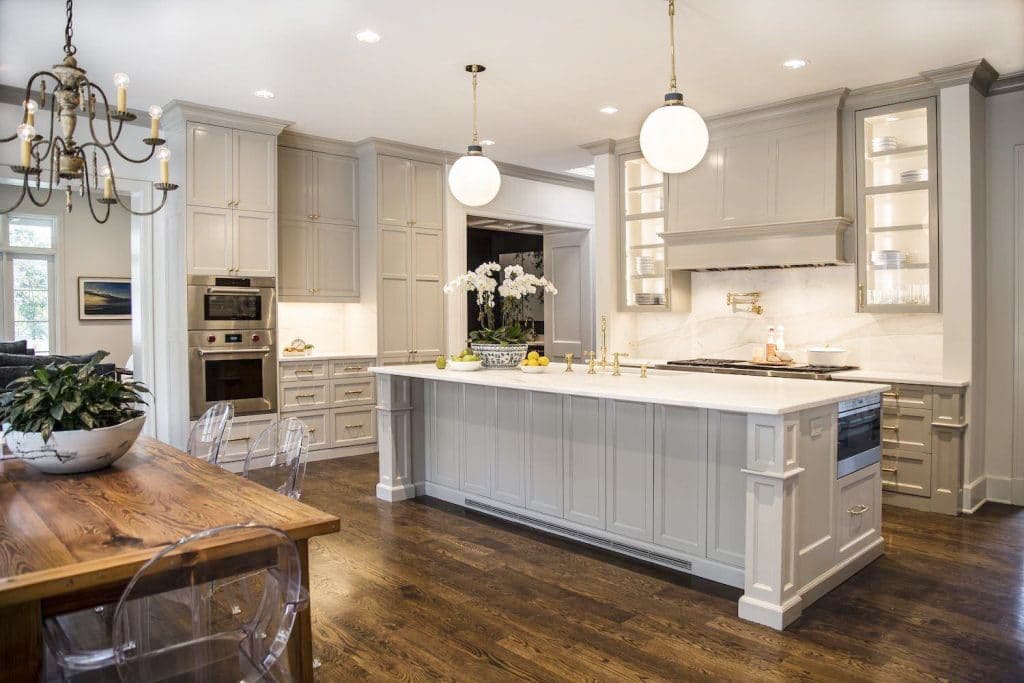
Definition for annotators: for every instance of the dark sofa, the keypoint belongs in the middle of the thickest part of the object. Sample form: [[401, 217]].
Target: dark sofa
[[17, 360]]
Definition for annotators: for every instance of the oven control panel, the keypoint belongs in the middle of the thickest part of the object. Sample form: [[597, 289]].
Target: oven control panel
[[233, 339]]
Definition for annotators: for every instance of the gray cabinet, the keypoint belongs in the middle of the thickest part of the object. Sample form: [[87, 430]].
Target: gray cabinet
[[544, 453], [317, 186], [629, 430], [508, 478], [478, 438], [410, 299], [727, 457], [585, 462], [680, 474], [409, 193], [230, 242]]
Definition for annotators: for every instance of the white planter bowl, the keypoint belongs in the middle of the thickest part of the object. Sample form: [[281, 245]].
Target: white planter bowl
[[500, 356], [826, 355], [465, 366], [75, 451]]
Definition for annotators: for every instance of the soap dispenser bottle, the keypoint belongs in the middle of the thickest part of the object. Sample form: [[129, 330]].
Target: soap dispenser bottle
[[771, 349]]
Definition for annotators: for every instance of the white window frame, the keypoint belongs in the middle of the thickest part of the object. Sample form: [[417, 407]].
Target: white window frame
[[51, 256]]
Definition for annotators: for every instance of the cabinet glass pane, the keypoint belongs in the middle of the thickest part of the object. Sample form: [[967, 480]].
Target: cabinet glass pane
[[643, 218]]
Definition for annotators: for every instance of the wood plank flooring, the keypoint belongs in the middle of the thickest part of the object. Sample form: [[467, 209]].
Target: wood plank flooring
[[423, 590]]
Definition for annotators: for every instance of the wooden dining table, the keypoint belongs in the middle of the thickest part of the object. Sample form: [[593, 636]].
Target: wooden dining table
[[70, 542]]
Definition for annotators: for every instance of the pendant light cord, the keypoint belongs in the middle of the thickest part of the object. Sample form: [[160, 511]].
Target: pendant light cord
[[672, 42], [476, 132]]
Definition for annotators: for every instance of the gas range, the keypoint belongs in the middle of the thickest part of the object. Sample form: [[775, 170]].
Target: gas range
[[738, 367]]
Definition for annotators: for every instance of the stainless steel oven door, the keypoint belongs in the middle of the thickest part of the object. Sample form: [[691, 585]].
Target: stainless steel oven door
[[245, 376], [859, 442], [230, 303]]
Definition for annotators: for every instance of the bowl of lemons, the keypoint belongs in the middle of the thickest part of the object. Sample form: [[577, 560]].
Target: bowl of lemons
[[534, 363], [466, 361]]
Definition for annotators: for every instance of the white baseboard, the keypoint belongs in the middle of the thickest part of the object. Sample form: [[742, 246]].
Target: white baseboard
[[998, 489], [975, 494]]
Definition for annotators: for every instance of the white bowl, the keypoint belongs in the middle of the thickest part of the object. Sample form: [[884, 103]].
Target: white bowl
[[534, 369], [76, 451], [826, 355], [465, 366]]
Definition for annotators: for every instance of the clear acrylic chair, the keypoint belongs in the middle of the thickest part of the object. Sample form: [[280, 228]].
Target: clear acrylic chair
[[218, 605], [210, 432], [277, 458]]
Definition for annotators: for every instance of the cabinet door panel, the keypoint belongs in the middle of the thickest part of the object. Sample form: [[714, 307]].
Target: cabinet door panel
[[209, 158], [295, 182], [746, 174], [255, 243], [337, 261], [802, 174], [255, 171], [630, 461], [727, 456], [317, 423], [427, 255], [336, 189], [584, 462], [209, 241], [508, 478], [295, 249], [544, 453], [859, 512], [394, 252], [694, 200], [394, 317], [680, 476], [446, 430], [393, 206], [478, 439], [427, 195], [428, 298]]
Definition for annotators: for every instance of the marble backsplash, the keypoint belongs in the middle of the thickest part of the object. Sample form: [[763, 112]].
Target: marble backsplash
[[815, 305]]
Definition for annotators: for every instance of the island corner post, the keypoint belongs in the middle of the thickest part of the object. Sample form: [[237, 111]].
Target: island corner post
[[749, 499]]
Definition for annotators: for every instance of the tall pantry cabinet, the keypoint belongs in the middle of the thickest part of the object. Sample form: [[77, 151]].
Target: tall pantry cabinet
[[403, 198]]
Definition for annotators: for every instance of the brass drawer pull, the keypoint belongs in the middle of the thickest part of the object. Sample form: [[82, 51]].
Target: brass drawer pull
[[304, 370], [353, 392], [354, 368], [298, 396], [894, 428], [355, 426], [239, 438], [312, 430], [890, 469], [891, 394], [858, 509]]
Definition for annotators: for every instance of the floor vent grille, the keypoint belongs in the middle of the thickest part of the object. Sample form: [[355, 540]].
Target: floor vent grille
[[614, 546]]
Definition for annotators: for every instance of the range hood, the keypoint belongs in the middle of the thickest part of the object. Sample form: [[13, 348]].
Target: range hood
[[773, 245]]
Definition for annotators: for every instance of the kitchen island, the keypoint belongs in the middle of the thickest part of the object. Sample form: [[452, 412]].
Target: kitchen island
[[727, 477]]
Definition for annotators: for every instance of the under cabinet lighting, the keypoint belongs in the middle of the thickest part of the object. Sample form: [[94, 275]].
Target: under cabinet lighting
[[794, 64], [368, 36], [265, 94], [609, 110]]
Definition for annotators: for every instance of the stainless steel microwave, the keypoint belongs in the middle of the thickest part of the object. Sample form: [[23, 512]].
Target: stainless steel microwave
[[230, 303]]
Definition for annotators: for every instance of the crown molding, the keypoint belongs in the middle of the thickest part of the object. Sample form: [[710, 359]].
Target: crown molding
[[550, 177], [316, 143], [12, 94], [599, 147], [400, 149], [978, 73], [827, 100], [177, 112], [1008, 83]]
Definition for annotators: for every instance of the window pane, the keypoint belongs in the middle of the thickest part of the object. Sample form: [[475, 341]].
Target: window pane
[[31, 304], [31, 231], [37, 334], [30, 273]]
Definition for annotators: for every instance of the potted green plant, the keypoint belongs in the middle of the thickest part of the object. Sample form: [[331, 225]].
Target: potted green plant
[[66, 419], [502, 346]]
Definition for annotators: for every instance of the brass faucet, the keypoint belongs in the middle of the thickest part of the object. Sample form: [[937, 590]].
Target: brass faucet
[[568, 362], [589, 355], [604, 343], [615, 363], [643, 371]]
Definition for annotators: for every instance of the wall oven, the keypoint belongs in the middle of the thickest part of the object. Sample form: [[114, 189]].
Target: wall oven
[[859, 434], [235, 366], [230, 303]]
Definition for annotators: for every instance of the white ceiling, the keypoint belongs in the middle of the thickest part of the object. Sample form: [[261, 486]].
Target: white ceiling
[[551, 64]]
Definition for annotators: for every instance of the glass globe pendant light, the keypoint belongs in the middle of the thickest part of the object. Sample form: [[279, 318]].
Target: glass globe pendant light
[[473, 178], [674, 138]]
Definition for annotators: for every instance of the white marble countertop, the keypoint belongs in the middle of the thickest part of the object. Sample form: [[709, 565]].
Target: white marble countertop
[[899, 378], [328, 355], [737, 393]]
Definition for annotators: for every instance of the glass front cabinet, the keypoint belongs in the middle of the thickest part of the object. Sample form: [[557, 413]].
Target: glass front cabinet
[[897, 208], [642, 195]]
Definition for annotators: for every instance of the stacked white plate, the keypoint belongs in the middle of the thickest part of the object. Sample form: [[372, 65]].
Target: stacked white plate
[[914, 175], [885, 143], [649, 299], [889, 258], [645, 265]]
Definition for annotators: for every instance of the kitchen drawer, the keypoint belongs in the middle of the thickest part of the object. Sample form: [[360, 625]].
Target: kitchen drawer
[[303, 396], [351, 366], [317, 421], [907, 472], [352, 392], [908, 396], [303, 370], [242, 435], [907, 429], [353, 426], [859, 513]]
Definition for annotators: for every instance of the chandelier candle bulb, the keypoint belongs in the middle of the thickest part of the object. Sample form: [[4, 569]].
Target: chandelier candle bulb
[[30, 112], [26, 132], [155, 113], [121, 81], [164, 155], [108, 183]]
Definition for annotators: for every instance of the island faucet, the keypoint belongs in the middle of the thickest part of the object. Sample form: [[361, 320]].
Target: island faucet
[[589, 355], [604, 342], [615, 363]]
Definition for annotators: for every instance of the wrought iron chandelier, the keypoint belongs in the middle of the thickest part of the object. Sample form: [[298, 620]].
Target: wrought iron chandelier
[[72, 92]]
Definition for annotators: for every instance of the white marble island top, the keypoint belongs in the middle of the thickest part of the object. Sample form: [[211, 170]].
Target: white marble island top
[[736, 393]]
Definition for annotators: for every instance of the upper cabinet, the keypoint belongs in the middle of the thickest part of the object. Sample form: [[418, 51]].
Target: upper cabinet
[[897, 208], [319, 236], [410, 192], [229, 168]]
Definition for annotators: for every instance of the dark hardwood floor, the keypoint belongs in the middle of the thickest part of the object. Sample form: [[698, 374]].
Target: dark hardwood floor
[[423, 590]]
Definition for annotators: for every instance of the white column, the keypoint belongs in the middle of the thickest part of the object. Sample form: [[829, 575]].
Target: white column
[[770, 588], [394, 438]]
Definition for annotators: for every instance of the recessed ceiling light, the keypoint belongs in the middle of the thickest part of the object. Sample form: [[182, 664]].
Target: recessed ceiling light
[[264, 93], [609, 110], [584, 171], [794, 64], [487, 143], [368, 36]]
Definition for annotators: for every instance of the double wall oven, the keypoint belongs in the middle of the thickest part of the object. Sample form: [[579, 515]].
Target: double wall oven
[[231, 352]]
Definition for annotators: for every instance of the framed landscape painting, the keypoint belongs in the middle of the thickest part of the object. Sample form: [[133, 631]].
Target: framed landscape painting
[[104, 298]]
